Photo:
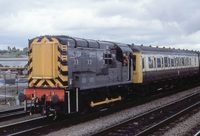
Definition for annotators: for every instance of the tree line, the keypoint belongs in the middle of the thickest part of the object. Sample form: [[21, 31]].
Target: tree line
[[15, 52]]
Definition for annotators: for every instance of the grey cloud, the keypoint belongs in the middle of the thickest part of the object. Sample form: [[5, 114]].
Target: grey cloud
[[123, 8], [184, 12], [192, 24], [145, 22]]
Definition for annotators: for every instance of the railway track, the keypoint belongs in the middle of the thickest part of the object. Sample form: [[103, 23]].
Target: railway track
[[37, 126], [40, 125], [8, 114], [151, 121], [20, 128]]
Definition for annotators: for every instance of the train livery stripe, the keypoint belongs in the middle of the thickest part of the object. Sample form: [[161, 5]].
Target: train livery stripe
[[45, 83], [30, 61], [37, 81], [65, 83], [52, 81], [63, 62], [64, 73], [62, 52], [30, 80], [30, 51], [30, 70]]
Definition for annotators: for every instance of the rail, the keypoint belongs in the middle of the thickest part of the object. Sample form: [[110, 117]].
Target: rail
[[152, 120], [197, 134], [6, 114]]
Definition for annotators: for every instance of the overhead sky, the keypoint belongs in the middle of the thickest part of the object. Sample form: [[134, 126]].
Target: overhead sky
[[169, 23]]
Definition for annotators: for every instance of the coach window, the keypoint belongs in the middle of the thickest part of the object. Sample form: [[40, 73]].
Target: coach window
[[165, 60], [169, 62], [142, 63], [162, 62], [158, 63], [180, 61], [154, 60], [192, 61], [150, 62], [172, 62], [183, 62], [186, 61], [195, 61], [177, 61]]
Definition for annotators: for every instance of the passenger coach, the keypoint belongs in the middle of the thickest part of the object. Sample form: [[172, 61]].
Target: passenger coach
[[156, 64]]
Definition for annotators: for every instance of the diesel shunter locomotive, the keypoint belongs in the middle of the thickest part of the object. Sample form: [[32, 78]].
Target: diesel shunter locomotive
[[71, 75]]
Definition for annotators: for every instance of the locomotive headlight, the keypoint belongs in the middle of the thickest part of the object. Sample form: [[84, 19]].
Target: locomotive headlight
[[55, 99]]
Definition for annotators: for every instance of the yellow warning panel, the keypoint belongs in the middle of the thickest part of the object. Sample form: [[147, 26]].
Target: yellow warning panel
[[44, 61]]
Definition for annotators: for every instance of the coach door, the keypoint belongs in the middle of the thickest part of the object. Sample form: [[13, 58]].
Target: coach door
[[137, 67]]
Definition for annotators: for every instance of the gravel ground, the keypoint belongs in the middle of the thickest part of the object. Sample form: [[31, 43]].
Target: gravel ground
[[90, 127], [182, 128]]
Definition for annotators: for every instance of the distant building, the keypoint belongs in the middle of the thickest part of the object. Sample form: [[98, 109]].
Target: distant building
[[9, 49], [14, 49]]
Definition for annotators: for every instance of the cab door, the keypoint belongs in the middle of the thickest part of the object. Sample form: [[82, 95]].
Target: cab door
[[130, 66], [127, 69]]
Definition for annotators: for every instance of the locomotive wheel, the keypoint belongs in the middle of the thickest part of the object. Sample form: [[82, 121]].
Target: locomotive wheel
[[84, 103], [83, 110], [84, 107]]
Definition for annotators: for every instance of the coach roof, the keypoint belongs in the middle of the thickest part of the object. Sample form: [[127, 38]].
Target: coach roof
[[158, 50]]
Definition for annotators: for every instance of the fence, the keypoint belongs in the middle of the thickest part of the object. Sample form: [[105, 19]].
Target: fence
[[11, 84]]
